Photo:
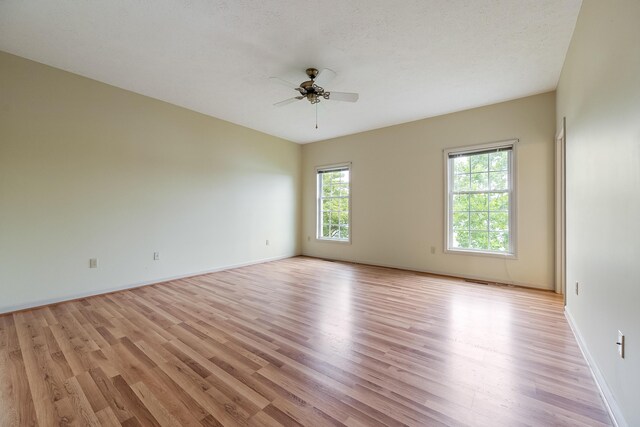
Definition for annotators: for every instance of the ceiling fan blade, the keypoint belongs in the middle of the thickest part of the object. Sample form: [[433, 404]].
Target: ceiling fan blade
[[283, 82], [343, 96], [324, 76], [288, 101]]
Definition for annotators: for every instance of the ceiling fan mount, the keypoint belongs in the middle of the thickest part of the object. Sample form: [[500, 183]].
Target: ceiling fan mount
[[312, 73]]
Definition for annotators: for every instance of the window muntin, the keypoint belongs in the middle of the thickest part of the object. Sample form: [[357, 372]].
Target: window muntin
[[480, 208], [334, 203]]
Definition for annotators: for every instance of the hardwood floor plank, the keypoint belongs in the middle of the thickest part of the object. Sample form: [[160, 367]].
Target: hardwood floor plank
[[241, 391], [174, 392], [82, 408], [133, 403], [92, 392], [45, 389], [111, 395], [299, 341], [107, 418], [155, 388], [263, 419], [151, 402], [220, 408], [16, 401]]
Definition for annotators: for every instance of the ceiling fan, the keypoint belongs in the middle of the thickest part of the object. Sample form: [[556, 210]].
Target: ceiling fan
[[312, 90]]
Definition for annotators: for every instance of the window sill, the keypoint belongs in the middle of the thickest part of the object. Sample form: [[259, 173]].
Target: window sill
[[481, 253], [344, 242]]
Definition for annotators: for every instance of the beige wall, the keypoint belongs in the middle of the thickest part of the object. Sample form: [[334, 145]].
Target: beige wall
[[599, 93], [398, 192], [89, 170]]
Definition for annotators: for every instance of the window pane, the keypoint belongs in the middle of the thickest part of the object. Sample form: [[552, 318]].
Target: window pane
[[344, 232], [343, 218], [343, 204], [479, 202], [479, 240], [461, 202], [461, 220], [499, 241], [461, 165], [498, 161], [479, 181], [335, 218], [500, 221], [335, 230], [480, 163], [499, 202], [328, 205], [479, 221], [341, 190], [325, 229], [326, 218], [461, 183], [498, 181], [328, 178], [460, 239]]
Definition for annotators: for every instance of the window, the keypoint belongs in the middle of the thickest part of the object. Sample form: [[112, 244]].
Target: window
[[334, 203], [480, 199]]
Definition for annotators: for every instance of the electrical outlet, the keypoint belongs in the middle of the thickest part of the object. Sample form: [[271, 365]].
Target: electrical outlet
[[620, 344], [93, 263], [267, 243], [156, 256], [577, 288]]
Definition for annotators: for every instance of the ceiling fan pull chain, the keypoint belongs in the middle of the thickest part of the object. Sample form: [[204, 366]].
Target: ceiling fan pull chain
[[316, 115]]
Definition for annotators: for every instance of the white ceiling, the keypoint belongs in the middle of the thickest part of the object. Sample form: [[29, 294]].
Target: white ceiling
[[408, 59]]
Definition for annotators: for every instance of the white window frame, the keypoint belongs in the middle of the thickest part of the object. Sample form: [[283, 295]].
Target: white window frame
[[448, 200], [329, 168]]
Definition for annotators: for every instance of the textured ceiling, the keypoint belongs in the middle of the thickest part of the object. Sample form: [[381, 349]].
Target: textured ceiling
[[408, 59]]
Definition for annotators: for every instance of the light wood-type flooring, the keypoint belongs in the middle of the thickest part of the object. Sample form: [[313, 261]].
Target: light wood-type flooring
[[298, 341]]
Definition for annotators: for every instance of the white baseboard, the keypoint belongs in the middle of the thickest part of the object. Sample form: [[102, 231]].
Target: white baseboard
[[40, 303], [609, 401], [438, 273]]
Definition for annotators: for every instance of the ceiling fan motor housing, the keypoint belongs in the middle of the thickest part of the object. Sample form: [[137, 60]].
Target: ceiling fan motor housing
[[310, 90]]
